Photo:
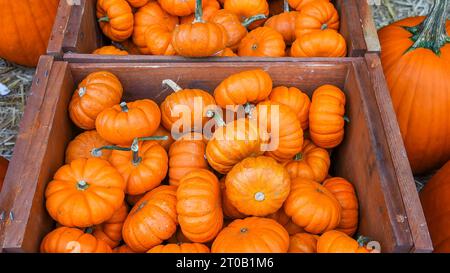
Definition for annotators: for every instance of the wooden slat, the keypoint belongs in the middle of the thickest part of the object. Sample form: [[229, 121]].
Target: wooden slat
[[350, 29], [368, 27], [55, 44]]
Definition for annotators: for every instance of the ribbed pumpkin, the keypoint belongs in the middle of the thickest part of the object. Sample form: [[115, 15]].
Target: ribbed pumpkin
[[72, 240], [178, 238], [159, 40], [229, 210], [324, 43], [316, 16], [435, 203], [303, 243], [326, 116], [227, 52], [199, 207], [252, 235], [284, 23], [293, 97], [346, 195], [26, 29], [262, 42], [83, 146], [180, 248], [311, 163], [178, 7], [116, 19], [338, 242], [300, 4], [247, 8], [416, 62], [97, 92], [111, 230], [312, 206], [152, 220], [137, 3], [123, 249], [109, 50], [84, 193], [257, 186], [162, 132], [286, 221]]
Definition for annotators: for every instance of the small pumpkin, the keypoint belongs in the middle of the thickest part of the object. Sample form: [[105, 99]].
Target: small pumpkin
[[109, 50], [300, 4], [199, 206], [252, 235], [335, 241], [84, 145], [247, 8], [159, 40], [166, 138], [180, 248], [111, 230], [286, 221], [284, 23], [137, 3], [123, 249], [257, 186], [262, 42], [229, 210], [152, 220], [311, 163], [227, 52], [178, 7], [303, 243], [346, 195], [293, 97], [97, 92], [116, 19], [316, 16], [312, 207], [324, 43], [72, 240], [92, 186], [124, 122]]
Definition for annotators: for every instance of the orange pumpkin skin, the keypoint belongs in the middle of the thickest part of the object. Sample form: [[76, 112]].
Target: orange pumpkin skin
[[119, 24], [111, 231], [148, 15], [284, 23], [286, 221], [247, 8], [232, 25], [137, 3], [346, 195], [186, 156], [252, 235], [146, 174], [262, 42], [121, 124], [83, 145], [161, 131], [303, 243], [178, 237], [338, 242], [257, 186], [324, 43], [326, 116], [316, 16], [199, 206], [227, 52], [256, 83], [434, 199], [109, 50], [312, 206], [159, 40], [312, 163], [293, 97], [413, 79], [229, 210], [180, 248], [152, 220], [72, 240], [91, 185], [178, 7], [300, 4], [123, 249], [26, 28], [97, 92]]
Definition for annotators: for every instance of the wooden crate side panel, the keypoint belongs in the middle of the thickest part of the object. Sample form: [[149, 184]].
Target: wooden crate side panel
[[368, 27], [55, 43], [350, 28]]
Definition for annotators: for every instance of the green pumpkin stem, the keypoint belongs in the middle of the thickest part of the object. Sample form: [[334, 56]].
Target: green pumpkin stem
[[252, 19], [82, 92], [286, 6], [431, 33], [124, 107], [213, 114], [346, 119], [173, 85], [135, 149], [153, 138], [324, 26], [198, 12], [89, 230], [363, 240], [104, 19], [298, 156], [82, 185], [97, 152]]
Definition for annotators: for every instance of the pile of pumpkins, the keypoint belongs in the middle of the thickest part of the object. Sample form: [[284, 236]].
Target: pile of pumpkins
[[196, 28], [128, 186]]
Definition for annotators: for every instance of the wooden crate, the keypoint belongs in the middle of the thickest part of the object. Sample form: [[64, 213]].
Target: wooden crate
[[371, 155], [76, 34]]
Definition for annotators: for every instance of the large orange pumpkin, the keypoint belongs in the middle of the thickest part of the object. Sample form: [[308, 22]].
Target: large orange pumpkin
[[338, 242], [152, 220], [324, 43], [416, 62], [303, 243], [316, 16], [293, 97], [111, 231], [245, 9], [97, 92], [26, 29], [284, 23], [116, 19], [199, 207], [252, 235], [72, 240], [180, 248], [85, 145], [84, 193], [262, 42]]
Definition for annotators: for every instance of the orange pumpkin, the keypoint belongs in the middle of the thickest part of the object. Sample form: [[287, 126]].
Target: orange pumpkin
[[316, 16], [116, 19], [148, 15], [303, 243], [180, 248], [312, 163], [262, 42], [72, 240], [159, 40], [293, 97], [178, 238], [109, 50], [178, 7], [324, 43], [338, 242], [152, 220], [326, 116], [92, 186], [199, 206], [227, 52], [300, 4], [167, 138], [143, 168], [137, 3], [346, 195], [122, 123], [186, 156], [229, 210], [257, 186], [252, 235], [286, 221], [123, 249], [312, 206], [209, 8], [84, 145], [284, 23], [97, 92], [247, 8], [256, 84], [111, 230]]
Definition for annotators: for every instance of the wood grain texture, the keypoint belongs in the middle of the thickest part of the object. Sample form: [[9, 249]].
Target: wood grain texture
[[55, 43], [350, 27], [368, 27]]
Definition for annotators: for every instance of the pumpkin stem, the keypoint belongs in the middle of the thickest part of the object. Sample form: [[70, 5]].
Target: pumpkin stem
[[252, 19], [346, 119], [244, 230], [104, 19], [89, 230], [135, 149], [82, 91], [259, 196], [82, 185], [363, 240], [153, 138], [286, 6], [213, 114], [97, 152], [431, 33], [173, 85], [119, 46], [248, 108], [198, 12], [324, 26], [124, 107], [298, 156]]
